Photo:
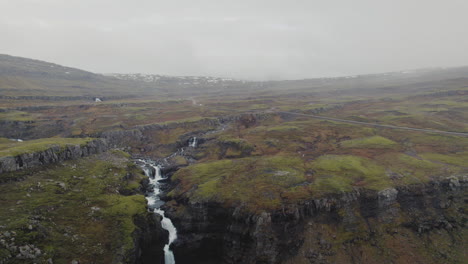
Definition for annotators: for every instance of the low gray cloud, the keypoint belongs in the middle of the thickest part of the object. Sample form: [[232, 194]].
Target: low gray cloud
[[241, 39]]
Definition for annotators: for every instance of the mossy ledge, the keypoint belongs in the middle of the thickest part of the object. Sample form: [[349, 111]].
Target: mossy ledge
[[88, 210], [334, 229], [35, 153]]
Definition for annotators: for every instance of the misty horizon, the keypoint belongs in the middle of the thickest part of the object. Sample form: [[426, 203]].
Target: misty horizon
[[263, 40], [404, 71], [113, 74]]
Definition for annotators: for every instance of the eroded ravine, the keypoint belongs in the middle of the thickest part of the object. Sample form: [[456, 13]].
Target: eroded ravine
[[153, 172]]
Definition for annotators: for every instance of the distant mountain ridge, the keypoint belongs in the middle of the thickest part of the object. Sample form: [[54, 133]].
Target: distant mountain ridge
[[28, 77], [18, 66]]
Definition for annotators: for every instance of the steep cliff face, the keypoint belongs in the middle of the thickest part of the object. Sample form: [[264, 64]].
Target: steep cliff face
[[413, 224], [52, 155], [143, 136], [149, 240]]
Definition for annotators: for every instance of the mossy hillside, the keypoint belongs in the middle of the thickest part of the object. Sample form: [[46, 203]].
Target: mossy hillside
[[168, 136], [14, 148], [74, 210], [171, 131], [17, 116], [340, 173], [255, 182], [439, 143], [343, 169], [369, 142], [91, 118], [274, 138], [369, 241], [124, 209], [404, 169], [309, 137], [457, 159], [235, 146], [178, 161], [415, 105], [345, 156], [416, 142], [283, 128]]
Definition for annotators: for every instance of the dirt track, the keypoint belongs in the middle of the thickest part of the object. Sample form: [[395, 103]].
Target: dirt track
[[379, 125]]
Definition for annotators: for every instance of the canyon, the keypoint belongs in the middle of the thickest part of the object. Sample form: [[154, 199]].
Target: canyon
[[369, 169]]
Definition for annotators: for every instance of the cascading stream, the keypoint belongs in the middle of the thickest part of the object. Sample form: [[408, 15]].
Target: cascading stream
[[193, 142], [155, 203], [153, 172]]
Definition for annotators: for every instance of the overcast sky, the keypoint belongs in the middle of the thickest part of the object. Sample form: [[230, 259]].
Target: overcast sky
[[248, 39]]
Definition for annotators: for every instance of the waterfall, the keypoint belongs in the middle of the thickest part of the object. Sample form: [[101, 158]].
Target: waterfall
[[167, 224], [153, 171], [193, 142], [155, 203]]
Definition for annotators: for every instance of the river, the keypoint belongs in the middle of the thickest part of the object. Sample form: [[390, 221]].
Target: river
[[153, 171]]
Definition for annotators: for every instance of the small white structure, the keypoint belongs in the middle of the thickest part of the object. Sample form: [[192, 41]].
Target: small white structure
[[97, 100]]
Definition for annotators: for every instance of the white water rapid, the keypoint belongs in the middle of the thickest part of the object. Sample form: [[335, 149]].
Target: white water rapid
[[155, 203], [153, 171], [193, 142]]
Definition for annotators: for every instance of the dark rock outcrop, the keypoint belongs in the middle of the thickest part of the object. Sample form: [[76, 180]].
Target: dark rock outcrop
[[52, 155], [213, 233], [142, 135], [149, 240]]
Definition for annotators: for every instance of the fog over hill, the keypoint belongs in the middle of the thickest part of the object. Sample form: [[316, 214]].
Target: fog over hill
[[258, 40], [220, 131], [28, 77]]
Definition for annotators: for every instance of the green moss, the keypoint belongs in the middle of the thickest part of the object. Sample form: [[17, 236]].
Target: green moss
[[14, 148], [16, 116], [179, 161], [342, 172], [283, 128], [332, 183], [74, 208], [258, 106], [416, 163], [120, 153], [230, 139], [237, 144], [369, 142], [139, 117], [256, 182], [435, 140], [209, 189], [459, 159], [124, 209], [406, 169]]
